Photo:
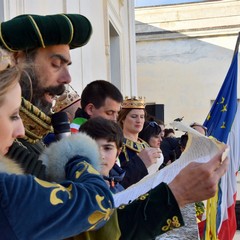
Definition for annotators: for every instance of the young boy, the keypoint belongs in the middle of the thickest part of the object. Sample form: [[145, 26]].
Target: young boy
[[109, 137]]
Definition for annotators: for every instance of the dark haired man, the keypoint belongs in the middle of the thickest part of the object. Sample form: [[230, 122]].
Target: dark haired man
[[98, 98]]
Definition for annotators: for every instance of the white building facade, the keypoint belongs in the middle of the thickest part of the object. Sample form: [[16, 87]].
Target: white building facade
[[183, 54], [110, 53]]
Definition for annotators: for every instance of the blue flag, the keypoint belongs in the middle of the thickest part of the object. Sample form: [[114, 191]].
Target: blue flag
[[220, 118], [219, 123]]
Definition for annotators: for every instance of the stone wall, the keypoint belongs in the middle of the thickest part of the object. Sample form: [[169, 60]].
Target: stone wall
[[183, 54]]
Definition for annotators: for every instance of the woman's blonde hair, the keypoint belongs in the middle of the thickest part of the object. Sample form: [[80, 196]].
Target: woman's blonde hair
[[9, 73]]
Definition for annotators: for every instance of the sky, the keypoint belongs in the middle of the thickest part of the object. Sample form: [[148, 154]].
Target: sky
[[143, 3]]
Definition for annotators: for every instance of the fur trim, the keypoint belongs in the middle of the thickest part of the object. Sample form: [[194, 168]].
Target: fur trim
[[9, 166], [59, 153]]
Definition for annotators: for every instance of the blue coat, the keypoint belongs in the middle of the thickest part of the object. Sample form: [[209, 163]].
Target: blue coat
[[31, 208]]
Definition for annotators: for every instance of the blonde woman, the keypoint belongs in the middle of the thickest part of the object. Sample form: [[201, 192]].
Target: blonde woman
[[34, 209]]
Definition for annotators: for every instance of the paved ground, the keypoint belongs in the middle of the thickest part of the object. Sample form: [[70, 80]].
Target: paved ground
[[237, 235]]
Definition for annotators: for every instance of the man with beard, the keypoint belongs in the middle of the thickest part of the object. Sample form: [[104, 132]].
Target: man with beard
[[45, 42], [44, 45]]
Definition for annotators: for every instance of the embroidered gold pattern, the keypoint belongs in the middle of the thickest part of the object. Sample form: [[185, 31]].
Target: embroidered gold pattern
[[98, 216], [171, 223], [122, 206], [86, 166], [36, 123], [135, 146], [143, 197], [54, 200]]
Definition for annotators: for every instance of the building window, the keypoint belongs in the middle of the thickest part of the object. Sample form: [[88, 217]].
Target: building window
[[115, 56]]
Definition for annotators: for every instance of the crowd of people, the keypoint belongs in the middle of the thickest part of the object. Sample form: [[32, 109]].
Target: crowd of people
[[64, 190]]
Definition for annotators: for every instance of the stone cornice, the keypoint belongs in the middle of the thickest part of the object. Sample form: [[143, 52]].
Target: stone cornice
[[197, 20], [189, 33]]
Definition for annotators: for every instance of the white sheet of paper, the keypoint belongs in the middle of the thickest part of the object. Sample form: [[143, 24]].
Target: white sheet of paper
[[199, 149]]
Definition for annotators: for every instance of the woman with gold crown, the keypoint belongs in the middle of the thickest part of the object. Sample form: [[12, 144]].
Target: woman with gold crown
[[137, 156]]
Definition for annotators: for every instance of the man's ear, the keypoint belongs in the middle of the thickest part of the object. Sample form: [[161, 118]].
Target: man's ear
[[19, 56], [118, 152], [89, 109]]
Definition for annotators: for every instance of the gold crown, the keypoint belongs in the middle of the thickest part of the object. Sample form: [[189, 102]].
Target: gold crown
[[69, 97], [134, 102]]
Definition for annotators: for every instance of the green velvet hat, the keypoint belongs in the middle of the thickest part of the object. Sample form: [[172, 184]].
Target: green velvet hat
[[32, 31]]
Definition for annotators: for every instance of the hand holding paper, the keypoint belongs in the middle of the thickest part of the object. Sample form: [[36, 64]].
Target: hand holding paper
[[193, 177]]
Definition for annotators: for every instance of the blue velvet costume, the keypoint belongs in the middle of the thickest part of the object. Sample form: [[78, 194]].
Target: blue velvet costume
[[35, 209]]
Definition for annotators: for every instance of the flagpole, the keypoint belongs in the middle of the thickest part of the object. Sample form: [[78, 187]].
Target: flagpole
[[237, 45], [220, 212]]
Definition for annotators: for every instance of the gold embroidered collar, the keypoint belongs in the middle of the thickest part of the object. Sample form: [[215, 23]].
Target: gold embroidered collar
[[135, 146], [37, 124]]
